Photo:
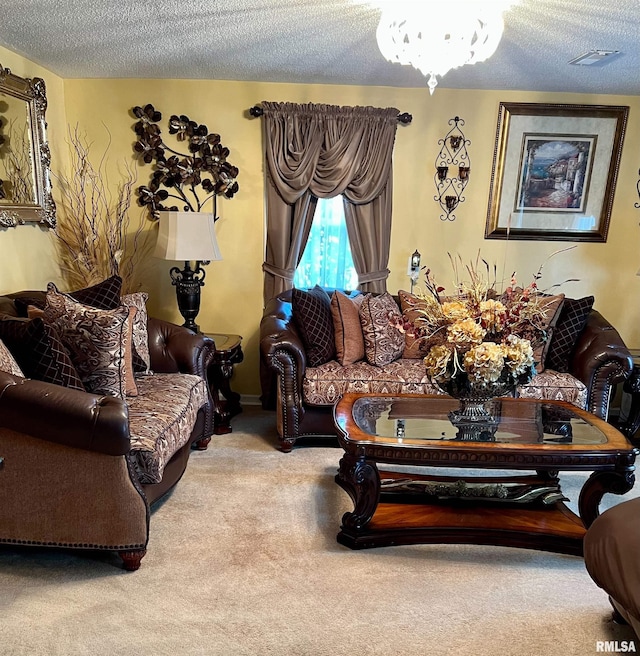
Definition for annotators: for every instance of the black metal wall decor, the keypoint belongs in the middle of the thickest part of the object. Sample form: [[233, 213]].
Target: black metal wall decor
[[637, 205], [453, 168]]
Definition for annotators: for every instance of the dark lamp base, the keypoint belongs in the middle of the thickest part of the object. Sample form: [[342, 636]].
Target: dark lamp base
[[187, 283]]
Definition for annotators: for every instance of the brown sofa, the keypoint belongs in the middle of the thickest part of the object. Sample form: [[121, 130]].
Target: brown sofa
[[611, 547], [82, 471], [303, 396]]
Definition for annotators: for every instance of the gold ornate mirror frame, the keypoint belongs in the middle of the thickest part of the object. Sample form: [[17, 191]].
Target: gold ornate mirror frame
[[25, 178]]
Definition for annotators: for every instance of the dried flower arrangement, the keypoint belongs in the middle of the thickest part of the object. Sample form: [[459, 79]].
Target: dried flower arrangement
[[192, 178], [478, 338], [93, 229]]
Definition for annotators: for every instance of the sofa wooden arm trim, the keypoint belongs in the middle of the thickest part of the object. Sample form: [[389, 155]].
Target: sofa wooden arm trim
[[66, 416], [600, 360]]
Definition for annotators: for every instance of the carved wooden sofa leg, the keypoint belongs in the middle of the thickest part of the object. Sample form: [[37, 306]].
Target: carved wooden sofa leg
[[201, 445], [131, 559]]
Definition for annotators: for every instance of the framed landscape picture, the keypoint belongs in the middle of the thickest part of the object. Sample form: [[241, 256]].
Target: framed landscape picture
[[554, 171]]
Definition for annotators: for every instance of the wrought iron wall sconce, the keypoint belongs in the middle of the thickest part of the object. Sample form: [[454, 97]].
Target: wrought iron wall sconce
[[453, 168]]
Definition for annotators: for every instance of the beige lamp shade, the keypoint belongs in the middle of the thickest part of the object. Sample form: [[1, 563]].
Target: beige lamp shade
[[187, 236]]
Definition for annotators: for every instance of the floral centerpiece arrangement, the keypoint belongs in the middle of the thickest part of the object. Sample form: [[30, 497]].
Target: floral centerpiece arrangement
[[192, 178], [479, 342]]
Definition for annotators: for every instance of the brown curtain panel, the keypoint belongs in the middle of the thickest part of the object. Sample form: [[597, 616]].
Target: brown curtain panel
[[320, 151]]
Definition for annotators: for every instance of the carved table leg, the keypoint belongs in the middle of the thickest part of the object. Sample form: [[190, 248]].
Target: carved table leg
[[596, 486], [228, 353], [361, 480]]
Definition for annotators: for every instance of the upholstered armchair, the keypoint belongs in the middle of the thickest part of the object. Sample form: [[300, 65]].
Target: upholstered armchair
[[83, 470]]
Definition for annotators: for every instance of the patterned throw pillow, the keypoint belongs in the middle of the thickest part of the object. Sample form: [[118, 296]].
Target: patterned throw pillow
[[8, 363], [552, 306], [141, 357], [571, 323], [347, 327], [312, 314], [383, 342], [104, 295], [410, 305], [96, 340], [39, 351]]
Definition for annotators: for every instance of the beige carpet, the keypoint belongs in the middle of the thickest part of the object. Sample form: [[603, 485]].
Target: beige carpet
[[243, 560]]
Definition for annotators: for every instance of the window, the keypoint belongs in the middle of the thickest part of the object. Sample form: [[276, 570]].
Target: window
[[327, 259]]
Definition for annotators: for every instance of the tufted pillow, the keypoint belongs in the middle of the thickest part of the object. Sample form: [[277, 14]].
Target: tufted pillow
[[96, 340], [8, 363], [312, 313], [140, 337], [104, 295], [410, 305], [552, 306], [571, 323], [347, 327], [383, 342], [39, 352]]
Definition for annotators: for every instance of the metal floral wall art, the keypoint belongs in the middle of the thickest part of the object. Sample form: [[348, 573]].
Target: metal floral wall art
[[192, 178]]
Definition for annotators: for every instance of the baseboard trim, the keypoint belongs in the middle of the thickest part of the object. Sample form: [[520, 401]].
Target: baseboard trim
[[250, 399]]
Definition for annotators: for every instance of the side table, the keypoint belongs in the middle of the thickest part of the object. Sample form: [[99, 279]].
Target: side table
[[629, 421], [228, 353]]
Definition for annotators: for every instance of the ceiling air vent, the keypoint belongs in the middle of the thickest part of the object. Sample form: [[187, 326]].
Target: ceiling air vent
[[595, 58]]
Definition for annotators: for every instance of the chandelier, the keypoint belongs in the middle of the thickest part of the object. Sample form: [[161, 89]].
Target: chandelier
[[435, 36]]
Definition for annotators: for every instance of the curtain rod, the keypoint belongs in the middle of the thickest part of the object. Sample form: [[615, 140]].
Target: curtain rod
[[404, 118]]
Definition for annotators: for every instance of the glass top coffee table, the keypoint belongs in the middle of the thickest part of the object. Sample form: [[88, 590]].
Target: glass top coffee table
[[533, 439]]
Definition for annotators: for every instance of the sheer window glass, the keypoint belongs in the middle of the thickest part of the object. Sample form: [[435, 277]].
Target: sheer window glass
[[327, 259]]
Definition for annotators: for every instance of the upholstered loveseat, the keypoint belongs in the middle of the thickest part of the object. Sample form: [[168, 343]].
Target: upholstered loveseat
[[594, 361], [82, 469]]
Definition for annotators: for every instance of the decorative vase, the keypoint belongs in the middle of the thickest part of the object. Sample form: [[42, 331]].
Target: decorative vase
[[475, 418]]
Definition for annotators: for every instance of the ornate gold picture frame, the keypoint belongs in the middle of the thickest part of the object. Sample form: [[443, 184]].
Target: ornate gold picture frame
[[554, 171]]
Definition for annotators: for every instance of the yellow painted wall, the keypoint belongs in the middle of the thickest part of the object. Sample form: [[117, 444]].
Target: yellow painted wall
[[232, 295], [27, 258]]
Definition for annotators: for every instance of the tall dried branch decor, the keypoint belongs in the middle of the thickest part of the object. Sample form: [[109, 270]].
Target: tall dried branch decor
[[95, 240], [193, 179]]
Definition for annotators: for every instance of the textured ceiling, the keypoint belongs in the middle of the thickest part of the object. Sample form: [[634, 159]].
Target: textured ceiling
[[309, 41]]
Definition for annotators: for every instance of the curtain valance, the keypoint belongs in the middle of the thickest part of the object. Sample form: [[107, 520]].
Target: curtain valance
[[329, 150]]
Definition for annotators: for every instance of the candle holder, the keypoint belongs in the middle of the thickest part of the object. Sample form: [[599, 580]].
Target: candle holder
[[453, 155]]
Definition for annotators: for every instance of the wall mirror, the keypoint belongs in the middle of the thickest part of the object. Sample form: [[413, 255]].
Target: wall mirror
[[25, 179]]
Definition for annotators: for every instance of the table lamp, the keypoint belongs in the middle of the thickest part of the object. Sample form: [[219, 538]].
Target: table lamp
[[191, 237]]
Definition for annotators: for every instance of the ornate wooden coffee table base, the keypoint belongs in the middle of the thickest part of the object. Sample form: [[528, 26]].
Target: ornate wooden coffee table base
[[424, 520], [527, 511]]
